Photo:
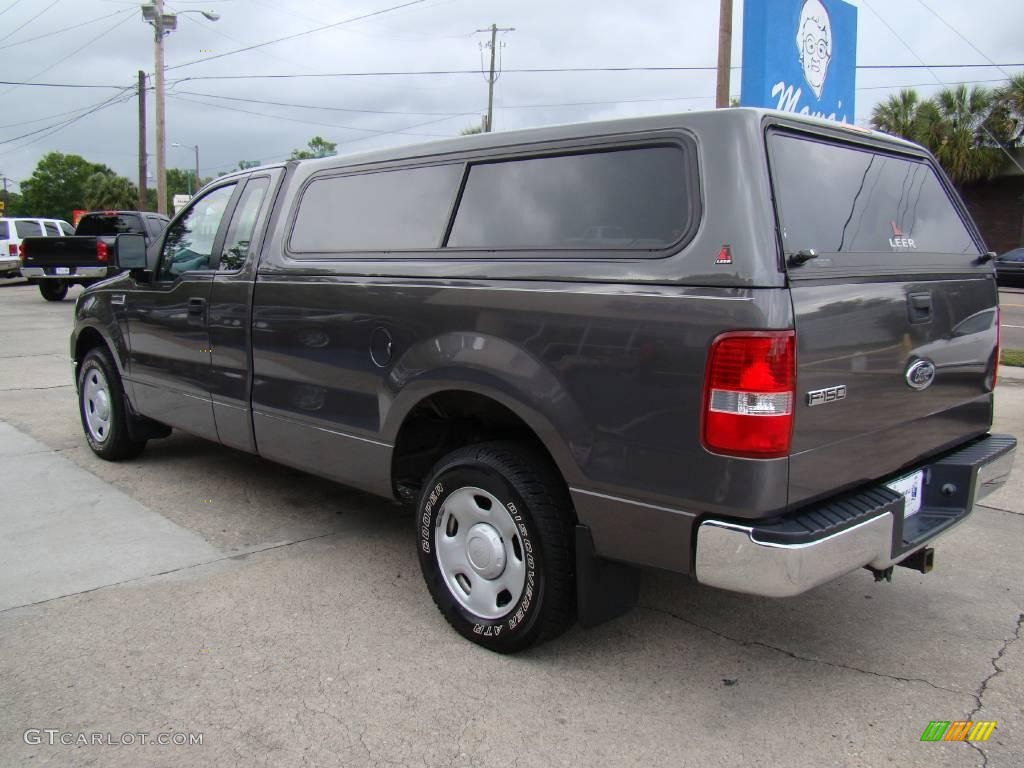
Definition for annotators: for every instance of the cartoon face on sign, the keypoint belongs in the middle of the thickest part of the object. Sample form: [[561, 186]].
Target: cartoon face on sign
[[814, 42]]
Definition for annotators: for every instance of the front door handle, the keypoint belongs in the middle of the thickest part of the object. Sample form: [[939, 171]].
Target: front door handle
[[196, 311]]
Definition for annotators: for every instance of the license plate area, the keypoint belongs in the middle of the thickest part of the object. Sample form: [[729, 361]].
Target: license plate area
[[62, 271], [910, 487]]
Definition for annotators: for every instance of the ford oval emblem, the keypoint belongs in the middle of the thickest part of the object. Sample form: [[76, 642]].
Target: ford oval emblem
[[921, 374]]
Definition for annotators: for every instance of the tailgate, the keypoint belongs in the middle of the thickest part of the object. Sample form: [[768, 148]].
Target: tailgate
[[60, 251], [896, 317]]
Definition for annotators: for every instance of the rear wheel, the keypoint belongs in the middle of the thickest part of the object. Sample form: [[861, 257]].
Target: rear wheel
[[496, 545], [104, 412], [53, 290]]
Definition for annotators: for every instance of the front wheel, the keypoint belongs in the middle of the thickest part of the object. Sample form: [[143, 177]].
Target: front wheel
[[496, 545], [53, 290], [101, 404]]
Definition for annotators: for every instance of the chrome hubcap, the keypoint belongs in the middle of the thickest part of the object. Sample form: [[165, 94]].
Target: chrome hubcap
[[96, 404], [480, 553]]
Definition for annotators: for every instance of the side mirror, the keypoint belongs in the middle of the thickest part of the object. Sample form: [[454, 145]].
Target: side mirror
[[130, 251]]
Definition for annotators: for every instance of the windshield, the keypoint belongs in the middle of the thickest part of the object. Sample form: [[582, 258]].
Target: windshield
[[112, 224]]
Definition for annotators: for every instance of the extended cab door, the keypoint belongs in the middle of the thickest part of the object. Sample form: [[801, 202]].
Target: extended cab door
[[167, 317], [231, 310], [895, 312]]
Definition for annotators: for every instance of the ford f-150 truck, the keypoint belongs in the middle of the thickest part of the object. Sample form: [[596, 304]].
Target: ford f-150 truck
[[743, 345], [57, 263]]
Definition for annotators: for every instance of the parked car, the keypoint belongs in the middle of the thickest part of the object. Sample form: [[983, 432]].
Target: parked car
[[1010, 267], [87, 257], [14, 229], [714, 343]]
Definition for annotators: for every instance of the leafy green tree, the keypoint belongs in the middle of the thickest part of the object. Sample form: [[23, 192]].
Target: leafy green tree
[[246, 164], [471, 129], [14, 205], [57, 185], [104, 191], [318, 147]]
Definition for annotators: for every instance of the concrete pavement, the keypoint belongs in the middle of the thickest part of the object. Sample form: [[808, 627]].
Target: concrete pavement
[[293, 627]]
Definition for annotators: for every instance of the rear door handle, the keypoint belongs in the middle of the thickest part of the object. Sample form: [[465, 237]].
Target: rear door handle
[[919, 307], [196, 311]]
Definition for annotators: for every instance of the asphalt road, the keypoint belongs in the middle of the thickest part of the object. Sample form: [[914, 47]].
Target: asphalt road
[[1012, 317], [197, 589]]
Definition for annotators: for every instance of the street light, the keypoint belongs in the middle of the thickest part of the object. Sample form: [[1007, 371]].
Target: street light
[[194, 148], [163, 24]]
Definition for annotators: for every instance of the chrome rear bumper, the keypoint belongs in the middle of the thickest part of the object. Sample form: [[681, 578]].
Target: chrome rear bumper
[[79, 272], [739, 557]]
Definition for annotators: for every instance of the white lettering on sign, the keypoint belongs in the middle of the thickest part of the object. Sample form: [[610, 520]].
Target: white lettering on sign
[[902, 242], [789, 98]]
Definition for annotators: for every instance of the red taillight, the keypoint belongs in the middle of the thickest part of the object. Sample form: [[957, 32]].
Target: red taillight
[[748, 394], [12, 250], [21, 251], [101, 251]]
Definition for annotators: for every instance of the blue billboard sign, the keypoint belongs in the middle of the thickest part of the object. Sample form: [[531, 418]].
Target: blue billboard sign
[[800, 56]]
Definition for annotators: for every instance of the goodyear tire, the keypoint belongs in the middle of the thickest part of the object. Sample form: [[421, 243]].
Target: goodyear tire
[[495, 541], [102, 407]]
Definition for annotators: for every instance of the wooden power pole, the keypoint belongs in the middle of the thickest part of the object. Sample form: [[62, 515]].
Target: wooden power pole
[[143, 201], [724, 53], [492, 77]]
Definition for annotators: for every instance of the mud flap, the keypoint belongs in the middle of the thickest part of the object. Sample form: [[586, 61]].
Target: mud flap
[[604, 589]]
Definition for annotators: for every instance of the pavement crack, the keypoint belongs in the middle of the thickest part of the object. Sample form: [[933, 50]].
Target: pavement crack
[[1000, 509], [796, 656], [26, 389], [983, 686], [234, 556]]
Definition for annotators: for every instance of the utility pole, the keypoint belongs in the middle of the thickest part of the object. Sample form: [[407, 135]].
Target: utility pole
[[161, 139], [492, 78], [143, 202], [163, 24], [724, 53]]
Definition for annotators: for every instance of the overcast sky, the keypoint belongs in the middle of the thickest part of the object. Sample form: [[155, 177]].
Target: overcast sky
[[108, 43]]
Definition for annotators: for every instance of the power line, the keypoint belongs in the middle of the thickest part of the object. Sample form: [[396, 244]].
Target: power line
[[64, 29], [46, 131], [61, 60], [325, 108], [5, 10], [18, 29], [59, 85], [962, 37], [298, 34], [550, 70], [310, 122]]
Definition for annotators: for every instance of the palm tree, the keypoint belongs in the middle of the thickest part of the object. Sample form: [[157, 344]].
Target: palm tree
[[957, 128], [107, 191], [1009, 110], [899, 115]]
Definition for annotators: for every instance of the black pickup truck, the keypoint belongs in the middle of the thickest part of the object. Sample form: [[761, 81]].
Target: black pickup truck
[[737, 344], [57, 263]]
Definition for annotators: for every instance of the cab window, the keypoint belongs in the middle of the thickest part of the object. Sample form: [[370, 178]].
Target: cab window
[[189, 241], [243, 225]]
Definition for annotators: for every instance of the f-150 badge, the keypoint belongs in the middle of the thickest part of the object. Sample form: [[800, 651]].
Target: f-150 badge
[[827, 395]]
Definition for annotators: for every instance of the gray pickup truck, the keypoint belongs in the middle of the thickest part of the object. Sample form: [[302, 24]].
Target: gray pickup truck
[[57, 263], [742, 345]]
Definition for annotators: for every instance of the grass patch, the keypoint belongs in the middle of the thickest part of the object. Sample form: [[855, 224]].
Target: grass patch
[[1012, 357]]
